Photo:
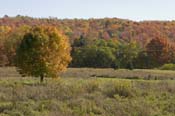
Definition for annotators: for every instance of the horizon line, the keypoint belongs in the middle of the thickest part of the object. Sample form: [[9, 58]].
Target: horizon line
[[86, 18]]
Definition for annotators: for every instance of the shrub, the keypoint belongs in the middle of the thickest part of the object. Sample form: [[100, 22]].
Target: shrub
[[92, 86], [168, 67], [122, 89]]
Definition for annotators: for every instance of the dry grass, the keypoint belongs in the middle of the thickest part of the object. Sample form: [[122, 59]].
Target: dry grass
[[86, 97], [106, 73], [72, 96], [121, 73]]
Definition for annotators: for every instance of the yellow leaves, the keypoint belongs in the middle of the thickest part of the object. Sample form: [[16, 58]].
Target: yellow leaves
[[52, 52], [5, 29]]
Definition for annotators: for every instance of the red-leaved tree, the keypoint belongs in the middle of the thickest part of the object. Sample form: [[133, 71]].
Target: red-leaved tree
[[160, 51]]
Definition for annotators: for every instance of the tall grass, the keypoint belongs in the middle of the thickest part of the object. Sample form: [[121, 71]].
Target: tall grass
[[86, 97]]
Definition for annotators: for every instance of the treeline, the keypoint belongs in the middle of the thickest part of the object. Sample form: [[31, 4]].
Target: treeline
[[115, 54], [108, 42], [107, 28]]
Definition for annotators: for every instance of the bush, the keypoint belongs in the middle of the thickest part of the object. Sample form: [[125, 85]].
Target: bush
[[117, 88], [92, 86], [168, 67]]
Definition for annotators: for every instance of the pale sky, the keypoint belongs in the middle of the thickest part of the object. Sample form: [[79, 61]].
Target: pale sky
[[127, 9]]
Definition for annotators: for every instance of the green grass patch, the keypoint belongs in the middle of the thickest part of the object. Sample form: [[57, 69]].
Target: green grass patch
[[87, 96]]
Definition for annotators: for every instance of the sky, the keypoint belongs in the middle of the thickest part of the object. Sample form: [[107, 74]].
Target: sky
[[137, 10]]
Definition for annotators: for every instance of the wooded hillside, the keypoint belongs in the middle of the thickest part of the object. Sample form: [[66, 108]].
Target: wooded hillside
[[131, 43], [107, 28]]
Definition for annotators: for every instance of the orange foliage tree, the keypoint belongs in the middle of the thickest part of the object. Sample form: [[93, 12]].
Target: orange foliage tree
[[43, 52], [160, 51]]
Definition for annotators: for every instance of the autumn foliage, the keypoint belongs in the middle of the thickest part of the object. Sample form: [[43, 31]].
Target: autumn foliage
[[160, 51], [43, 52], [146, 44]]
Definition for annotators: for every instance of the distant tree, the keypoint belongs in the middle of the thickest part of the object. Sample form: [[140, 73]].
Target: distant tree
[[43, 52], [4, 32], [93, 56], [160, 51], [142, 61], [80, 42], [6, 16], [12, 40], [126, 54], [99, 55]]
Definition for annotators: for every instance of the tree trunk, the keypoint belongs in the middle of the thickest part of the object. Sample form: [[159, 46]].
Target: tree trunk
[[41, 78]]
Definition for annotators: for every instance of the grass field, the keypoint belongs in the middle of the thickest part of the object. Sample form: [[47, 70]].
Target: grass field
[[145, 74], [78, 95]]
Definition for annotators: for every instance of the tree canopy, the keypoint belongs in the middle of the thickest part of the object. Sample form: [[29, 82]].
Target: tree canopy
[[160, 51], [43, 52]]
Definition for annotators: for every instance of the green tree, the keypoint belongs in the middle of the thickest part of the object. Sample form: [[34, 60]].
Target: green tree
[[142, 61], [99, 55], [93, 56], [43, 52], [126, 54]]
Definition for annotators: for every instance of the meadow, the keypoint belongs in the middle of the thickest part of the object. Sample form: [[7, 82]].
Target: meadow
[[89, 92]]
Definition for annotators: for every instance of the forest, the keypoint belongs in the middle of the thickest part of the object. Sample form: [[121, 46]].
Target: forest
[[99, 43]]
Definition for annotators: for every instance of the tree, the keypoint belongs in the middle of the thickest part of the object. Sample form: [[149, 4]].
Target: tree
[[43, 52], [12, 40], [4, 32], [160, 51], [93, 56], [126, 54], [142, 60], [99, 55], [80, 42]]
